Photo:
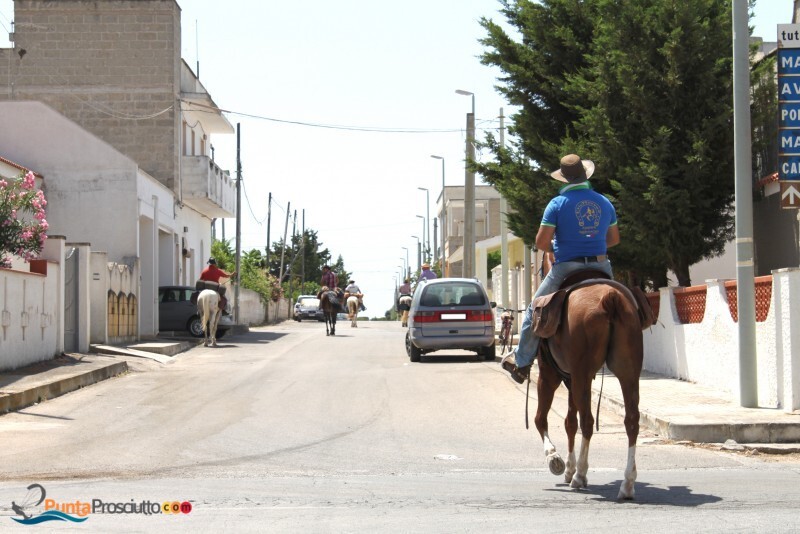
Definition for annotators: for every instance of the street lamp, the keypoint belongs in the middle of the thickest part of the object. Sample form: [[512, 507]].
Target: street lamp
[[427, 218], [467, 93], [404, 261], [423, 231], [443, 216], [468, 269], [407, 262]]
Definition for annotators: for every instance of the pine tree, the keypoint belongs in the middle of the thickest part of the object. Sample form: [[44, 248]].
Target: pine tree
[[643, 88]]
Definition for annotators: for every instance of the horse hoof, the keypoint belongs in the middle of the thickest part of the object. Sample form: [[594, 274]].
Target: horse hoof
[[625, 492], [578, 482], [556, 464]]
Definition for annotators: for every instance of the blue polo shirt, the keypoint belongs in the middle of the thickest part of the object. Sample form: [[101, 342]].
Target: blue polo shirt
[[581, 218]]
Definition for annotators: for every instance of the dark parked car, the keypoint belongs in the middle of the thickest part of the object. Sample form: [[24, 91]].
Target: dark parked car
[[307, 307], [176, 312], [450, 313]]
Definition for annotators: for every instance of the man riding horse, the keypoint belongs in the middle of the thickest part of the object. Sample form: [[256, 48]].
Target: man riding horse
[[213, 275], [578, 226]]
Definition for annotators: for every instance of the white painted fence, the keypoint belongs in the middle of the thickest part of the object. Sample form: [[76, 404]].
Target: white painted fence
[[708, 352]]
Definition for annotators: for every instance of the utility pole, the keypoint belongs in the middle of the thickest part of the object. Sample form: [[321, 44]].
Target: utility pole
[[238, 221], [283, 248], [469, 202], [745, 267], [269, 221], [503, 229], [303, 253]]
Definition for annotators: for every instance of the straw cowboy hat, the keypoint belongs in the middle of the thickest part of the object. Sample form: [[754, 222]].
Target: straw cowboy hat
[[573, 170]]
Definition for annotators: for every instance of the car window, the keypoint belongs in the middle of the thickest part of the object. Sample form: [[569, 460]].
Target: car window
[[185, 295], [169, 295], [308, 302], [452, 294]]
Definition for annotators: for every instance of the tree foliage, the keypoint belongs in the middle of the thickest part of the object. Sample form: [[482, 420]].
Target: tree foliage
[[641, 87]]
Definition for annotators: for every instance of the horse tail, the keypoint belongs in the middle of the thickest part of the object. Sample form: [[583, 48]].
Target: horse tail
[[204, 313], [616, 306]]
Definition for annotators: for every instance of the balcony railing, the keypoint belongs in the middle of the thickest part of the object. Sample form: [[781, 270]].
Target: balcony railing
[[207, 188]]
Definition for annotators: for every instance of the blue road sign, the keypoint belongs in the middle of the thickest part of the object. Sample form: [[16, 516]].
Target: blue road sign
[[788, 61], [789, 115], [789, 167], [790, 143]]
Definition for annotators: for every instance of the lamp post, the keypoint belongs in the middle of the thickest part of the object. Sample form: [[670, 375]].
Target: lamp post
[[419, 254], [407, 262], [429, 255], [404, 263], [442, 218], [468, 270], [423, 231]]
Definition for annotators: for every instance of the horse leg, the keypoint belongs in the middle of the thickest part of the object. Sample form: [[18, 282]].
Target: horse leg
[[625, 361], [630, 394], [582, 402], [213, 327], [333, 323], [571, 426], [205, 324], [545, 390]]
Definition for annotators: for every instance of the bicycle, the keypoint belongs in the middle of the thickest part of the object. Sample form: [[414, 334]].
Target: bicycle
[[506, 337]]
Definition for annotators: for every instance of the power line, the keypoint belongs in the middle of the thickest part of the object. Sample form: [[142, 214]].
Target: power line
[[213, 109]]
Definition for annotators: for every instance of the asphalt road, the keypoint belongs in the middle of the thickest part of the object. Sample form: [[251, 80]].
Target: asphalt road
[[287, 430]]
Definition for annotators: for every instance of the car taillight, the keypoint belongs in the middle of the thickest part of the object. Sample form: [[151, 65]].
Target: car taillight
[[426, 317], [453, 315], [479, 315]]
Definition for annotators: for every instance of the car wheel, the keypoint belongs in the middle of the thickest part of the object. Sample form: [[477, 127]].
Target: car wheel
[[298, 319], [414, 353], [221, 333], [488, 353], [195, 326]]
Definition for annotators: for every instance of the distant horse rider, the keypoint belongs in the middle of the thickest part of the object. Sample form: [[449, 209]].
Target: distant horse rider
[[404, 301], [212, 273], [352, 290], [331, 281], [426, 273]]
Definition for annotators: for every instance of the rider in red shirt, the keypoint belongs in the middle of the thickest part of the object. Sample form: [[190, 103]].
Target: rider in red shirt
[[212, 273]]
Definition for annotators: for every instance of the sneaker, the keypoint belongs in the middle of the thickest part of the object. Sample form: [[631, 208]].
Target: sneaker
[[519, 374]]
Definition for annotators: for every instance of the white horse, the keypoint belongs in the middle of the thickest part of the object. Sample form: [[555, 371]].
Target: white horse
[[208, 309], [352, 310]]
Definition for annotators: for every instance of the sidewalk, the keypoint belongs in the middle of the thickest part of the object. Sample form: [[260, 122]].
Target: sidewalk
[[52, 378]]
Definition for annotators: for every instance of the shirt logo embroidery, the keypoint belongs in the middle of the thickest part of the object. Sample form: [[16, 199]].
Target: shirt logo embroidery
[[588, 214]]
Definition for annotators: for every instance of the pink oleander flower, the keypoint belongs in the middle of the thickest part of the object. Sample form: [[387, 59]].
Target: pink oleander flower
[[23, 225], [29, 181]]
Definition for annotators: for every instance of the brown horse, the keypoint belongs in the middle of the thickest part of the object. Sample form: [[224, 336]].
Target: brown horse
[[600, 324], [329, 302]]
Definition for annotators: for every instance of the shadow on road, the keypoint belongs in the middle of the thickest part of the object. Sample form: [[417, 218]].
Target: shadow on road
[[646, 494], [253, 337], [445, 357]]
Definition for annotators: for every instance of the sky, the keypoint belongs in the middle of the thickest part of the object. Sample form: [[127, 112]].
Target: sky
[[331, 66]]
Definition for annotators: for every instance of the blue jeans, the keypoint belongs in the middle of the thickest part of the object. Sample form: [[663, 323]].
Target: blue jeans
[[529, 343]]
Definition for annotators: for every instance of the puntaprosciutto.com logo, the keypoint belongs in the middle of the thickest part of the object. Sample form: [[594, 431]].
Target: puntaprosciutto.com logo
[[79, 511]]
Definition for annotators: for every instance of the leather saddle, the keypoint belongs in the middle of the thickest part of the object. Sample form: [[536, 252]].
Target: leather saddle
[[547, 309]]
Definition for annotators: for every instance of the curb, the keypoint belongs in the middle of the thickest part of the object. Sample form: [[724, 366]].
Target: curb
[[761, 433], [10, 402]]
